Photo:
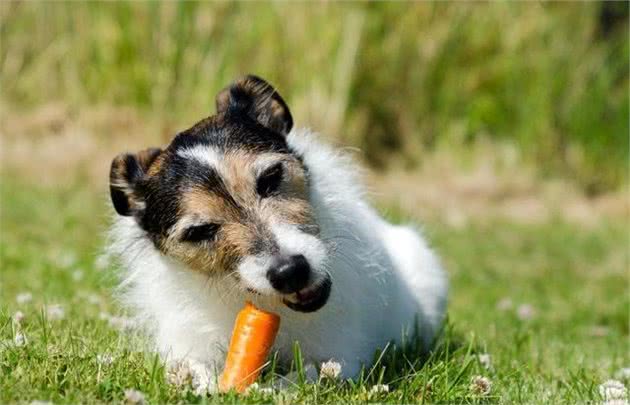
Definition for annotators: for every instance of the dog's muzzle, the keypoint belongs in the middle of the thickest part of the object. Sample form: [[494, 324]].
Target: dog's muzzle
[[302, 289], [311, 298]]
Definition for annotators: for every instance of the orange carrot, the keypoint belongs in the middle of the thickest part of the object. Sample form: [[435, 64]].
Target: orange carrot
[[252, 338]]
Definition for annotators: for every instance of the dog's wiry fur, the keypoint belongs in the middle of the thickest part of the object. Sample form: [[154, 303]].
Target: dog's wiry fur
[[197, 231]]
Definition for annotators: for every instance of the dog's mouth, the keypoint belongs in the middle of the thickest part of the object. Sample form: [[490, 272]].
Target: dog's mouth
[[311, 298]]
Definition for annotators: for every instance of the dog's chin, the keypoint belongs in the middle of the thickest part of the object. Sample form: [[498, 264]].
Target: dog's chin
[[310, 299]]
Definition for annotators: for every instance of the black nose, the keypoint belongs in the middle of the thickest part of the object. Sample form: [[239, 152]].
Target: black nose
[[289, 274]]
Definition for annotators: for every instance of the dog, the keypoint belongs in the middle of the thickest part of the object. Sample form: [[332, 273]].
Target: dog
[[242, 206]]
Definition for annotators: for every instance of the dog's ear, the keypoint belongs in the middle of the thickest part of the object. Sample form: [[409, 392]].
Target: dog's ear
[[125, 176], [256, 98]]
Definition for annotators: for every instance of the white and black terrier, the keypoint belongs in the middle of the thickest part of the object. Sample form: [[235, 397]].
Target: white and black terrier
[[242, 206]]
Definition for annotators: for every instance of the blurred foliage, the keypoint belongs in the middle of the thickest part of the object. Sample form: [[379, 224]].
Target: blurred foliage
[[395, 79]]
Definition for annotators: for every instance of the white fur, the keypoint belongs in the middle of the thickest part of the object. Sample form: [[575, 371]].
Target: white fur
[[385, 279], [203, 154]]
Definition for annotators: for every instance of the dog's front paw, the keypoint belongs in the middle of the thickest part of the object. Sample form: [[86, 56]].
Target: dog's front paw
[[188, 373]]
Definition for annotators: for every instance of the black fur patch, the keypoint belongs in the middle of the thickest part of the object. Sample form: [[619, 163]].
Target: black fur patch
[[126, 172], [253, 97], [233, 132]]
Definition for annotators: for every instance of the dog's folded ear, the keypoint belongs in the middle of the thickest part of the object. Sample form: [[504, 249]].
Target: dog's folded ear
[[255, 98], [125, 178]]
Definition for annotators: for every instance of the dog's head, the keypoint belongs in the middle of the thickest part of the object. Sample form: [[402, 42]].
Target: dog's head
[[229, 198]]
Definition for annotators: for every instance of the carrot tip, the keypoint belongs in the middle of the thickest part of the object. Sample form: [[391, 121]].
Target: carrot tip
[[252, 338]]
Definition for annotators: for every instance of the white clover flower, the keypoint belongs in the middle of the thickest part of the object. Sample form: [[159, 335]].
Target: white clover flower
[[18, 317], [93, 299], [613, 390], [252, 388], [178, 373], [105, 359], [480, 385], [102, 262], [525, 312], [66, 259], [55, 312], [330, 369], [20, 340], [39, 402], [379, 389], [505, 304], [77, 275], [134, 396], [256, 388], [486, 361], [118, 322], [203, 380], [266, 390], [623, 374], [286, 396], [24, 297], [121, 322]]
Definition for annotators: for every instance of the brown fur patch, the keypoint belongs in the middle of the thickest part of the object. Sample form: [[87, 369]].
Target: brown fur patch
[[147, 157], [156, 165]]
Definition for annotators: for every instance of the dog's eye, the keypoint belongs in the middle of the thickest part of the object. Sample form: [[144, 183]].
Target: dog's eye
[[198, 233], [269, 181]]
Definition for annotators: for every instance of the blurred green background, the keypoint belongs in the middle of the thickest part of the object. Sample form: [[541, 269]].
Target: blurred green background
[[546, 81]]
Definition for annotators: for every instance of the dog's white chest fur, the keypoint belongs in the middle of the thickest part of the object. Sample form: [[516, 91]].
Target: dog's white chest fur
[[385, 281]]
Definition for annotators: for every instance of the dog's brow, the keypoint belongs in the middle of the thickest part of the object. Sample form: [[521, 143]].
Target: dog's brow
[[266, 161], [190, 220], [210, 157]]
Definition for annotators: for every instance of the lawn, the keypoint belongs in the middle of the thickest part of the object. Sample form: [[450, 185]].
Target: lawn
[[503, 125], [547, 303]]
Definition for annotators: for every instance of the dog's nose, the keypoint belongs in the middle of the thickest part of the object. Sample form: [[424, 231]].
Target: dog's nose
[[289, 274]]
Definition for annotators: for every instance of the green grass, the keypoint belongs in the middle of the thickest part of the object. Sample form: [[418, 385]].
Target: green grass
[[574, 278], [545, 85]]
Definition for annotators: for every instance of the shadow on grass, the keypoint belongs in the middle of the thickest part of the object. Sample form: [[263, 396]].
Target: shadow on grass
[[396, 362], [405, 373]]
